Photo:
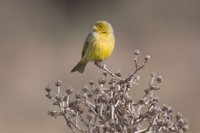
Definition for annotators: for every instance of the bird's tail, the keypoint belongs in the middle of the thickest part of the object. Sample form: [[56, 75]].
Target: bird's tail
[[80, 67]]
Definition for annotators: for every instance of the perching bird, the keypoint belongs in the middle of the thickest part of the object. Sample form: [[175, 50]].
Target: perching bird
[[98, 46]]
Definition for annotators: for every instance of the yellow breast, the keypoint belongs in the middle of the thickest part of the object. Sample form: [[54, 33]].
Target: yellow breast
[[102, 47]]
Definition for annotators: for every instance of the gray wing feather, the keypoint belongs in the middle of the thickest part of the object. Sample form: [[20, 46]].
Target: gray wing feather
[[89, 37]]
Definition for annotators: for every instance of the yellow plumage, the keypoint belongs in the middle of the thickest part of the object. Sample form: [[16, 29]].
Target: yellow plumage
[[98, 45]]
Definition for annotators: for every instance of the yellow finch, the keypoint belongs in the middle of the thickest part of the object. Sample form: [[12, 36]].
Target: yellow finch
[[98, 46]]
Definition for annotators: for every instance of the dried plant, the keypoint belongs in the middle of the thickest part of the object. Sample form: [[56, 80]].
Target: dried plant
[[107, 107]]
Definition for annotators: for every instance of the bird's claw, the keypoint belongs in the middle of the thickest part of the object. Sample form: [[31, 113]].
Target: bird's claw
[[100, 64]]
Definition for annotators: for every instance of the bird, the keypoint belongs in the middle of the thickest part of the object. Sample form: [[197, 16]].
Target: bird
[[98, 45]]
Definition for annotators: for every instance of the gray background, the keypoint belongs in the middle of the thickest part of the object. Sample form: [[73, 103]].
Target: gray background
[[40, 42]]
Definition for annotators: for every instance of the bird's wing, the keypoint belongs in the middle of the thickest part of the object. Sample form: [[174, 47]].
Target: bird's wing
[[86, 44]]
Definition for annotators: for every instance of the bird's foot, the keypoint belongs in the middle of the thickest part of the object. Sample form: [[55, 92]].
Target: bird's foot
[[100, 64]]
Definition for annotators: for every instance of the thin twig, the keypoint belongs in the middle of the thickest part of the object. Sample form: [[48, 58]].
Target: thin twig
[[103, 66], [69, 124], [133, 74]]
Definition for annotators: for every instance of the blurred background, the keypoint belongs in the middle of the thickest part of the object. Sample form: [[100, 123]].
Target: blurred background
[[41, 41]]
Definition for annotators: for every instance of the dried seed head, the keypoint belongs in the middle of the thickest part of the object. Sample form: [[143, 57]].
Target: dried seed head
[[147, 91], [48, 96], [118, 74], [69, 90], [56, 103], [58, 83], [112, 87], [152, 87], [91, 83], [97, 90], [85, 89], [48, 88], [137, 78], [136, 52], [52, 113], [167, 109], [159, 79], [90, 95], [147, 58], [78, 95], [167, 123], [153, 74], [156, 99], [112, 80], [142, 101], [157, 109], [128, 85], [65, 98], [105, 74], [58, 98], [179, 115], [79, 108], [185, 127], [89, 117], [102, 81]]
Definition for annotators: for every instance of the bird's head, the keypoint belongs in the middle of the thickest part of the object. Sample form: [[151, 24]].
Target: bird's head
[[103, 27]]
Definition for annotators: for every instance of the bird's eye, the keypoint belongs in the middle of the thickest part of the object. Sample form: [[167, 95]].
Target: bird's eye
[[100, 26]]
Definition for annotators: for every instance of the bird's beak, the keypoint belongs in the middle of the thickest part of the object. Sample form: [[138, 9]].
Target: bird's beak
[[94, 28]]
